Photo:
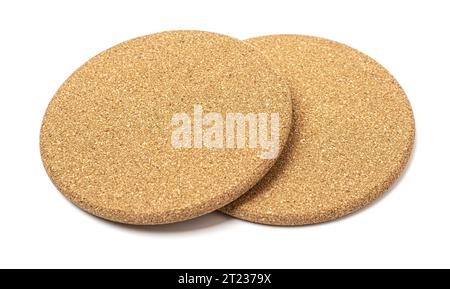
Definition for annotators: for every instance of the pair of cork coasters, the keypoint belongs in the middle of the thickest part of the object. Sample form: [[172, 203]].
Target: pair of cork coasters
[[282, 129]]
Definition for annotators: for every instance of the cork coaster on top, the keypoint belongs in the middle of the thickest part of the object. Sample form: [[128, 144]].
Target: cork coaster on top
[[353, 132], [148, 131]]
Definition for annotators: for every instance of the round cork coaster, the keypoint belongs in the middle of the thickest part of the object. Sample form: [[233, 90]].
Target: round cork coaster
[[161, 128], [353, 132]]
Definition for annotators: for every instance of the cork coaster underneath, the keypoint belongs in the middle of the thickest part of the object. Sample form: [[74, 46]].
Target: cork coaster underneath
[[124, 138], [353, 132]]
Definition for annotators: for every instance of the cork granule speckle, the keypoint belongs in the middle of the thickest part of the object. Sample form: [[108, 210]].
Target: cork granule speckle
[[353, 132], [105, 138]]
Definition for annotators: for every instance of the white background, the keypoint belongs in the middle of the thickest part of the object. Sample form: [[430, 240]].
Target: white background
[[43, 42]]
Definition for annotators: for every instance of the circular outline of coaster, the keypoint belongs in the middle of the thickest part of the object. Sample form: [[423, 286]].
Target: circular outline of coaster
[[352, 134], [106, 140]]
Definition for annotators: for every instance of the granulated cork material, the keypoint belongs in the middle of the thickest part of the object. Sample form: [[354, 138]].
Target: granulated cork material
[[106, 136], [353, 132]]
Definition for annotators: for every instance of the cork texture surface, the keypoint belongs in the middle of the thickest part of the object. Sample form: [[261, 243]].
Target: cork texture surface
[[106, 135]]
